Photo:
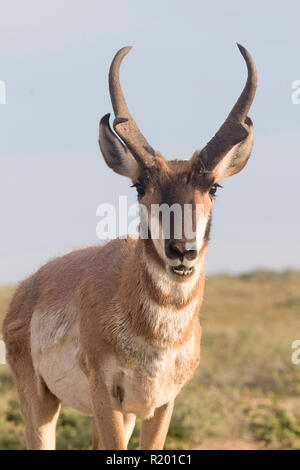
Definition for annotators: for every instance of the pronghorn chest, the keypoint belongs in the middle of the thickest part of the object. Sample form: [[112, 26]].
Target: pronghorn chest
[[150, 375], [157, 379]]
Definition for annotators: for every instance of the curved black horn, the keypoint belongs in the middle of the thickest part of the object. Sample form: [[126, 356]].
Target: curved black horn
[[237, 126], [124, 124]]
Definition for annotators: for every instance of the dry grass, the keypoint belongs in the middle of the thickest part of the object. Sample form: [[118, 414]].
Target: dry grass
[[246, 386]]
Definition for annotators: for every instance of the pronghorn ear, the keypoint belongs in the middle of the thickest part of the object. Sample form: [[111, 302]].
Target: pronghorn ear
[[116, 155], [236, 158]]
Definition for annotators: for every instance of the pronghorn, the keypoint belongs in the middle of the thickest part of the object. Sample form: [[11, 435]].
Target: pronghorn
[[113, 330]]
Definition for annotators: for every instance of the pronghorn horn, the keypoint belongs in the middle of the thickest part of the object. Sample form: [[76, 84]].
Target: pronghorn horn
[[237, 125], [124, 124]]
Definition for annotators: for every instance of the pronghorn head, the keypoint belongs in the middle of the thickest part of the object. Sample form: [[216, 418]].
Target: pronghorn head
[[176, 197]]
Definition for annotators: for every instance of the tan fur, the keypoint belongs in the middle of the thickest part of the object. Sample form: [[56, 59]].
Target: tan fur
[[113, 330], [91, 311], [109, 331]]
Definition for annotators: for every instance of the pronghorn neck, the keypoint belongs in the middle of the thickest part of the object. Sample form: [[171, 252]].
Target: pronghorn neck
[[153, 305]]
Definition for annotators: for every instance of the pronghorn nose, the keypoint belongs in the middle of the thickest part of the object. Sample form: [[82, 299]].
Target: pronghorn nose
[[176, 250]]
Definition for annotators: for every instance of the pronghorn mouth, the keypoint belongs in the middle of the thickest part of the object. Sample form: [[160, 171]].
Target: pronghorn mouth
[[182, 270]]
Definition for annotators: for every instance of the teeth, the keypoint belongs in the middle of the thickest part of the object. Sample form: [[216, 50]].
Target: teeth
[[183, 272]]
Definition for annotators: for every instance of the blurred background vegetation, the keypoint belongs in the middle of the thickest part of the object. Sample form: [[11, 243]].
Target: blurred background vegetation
[[246, 392]]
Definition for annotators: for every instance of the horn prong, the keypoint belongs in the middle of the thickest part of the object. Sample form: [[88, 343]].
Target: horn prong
[[236, 126], [124, 124]]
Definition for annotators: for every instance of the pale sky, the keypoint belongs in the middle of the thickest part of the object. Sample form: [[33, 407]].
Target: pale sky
[[181, 79]]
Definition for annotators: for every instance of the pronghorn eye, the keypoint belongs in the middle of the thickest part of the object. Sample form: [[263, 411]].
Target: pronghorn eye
[[140, 188], [214, 188]]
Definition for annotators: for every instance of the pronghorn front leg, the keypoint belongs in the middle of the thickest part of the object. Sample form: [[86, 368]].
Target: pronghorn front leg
[[129, 423], [155, 429], [108, 418]]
